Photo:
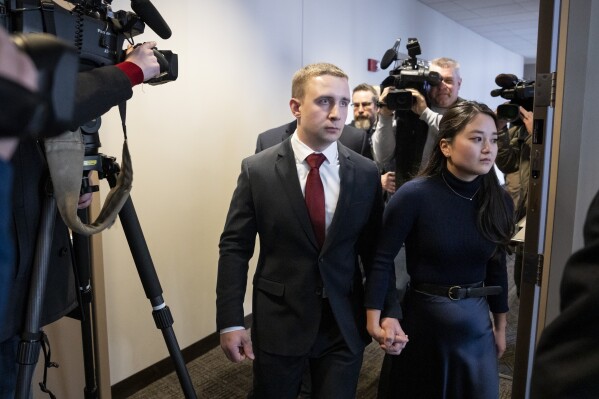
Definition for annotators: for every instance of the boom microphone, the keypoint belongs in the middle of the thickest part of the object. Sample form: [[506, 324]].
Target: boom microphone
[[506, 80], [390, 55], [150, 15]]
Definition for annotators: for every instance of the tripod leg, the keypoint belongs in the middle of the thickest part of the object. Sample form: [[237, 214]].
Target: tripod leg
[[82, 264], [149, 279], [29, 347]]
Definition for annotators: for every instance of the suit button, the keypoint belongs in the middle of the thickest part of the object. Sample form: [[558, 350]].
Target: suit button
[[320, 260], [318, 291], [62, 252]]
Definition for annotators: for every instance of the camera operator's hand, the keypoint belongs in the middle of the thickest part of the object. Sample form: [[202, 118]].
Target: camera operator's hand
[[419, 102], [143, 56], [527, 118], [85, 200], [383, 110]]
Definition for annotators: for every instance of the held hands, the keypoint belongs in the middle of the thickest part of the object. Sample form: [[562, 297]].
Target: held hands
[[237, 345], [387, 333], [143, 56]]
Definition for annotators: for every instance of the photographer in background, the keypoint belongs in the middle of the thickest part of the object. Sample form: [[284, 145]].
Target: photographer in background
[[513, 159], [365, 100], [441, 97], [98, 90]]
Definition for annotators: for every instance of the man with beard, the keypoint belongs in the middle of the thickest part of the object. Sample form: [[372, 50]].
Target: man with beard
[[365, 100]]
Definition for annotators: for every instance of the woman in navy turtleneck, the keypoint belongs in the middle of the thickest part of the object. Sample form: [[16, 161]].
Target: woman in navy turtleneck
[[456, 221]]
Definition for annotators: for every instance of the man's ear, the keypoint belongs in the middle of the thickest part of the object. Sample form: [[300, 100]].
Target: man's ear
[[294, 105]]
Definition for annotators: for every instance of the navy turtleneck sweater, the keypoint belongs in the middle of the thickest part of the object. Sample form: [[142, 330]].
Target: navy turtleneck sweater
[[437, 222]]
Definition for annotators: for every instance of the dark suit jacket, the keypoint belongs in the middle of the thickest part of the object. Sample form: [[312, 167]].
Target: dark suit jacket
[[566, 362], [291, 270], [351, 137]]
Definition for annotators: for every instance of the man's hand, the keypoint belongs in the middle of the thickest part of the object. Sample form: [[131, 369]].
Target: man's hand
[[395, 339], [388, 182], [85, 200], [143, 56], [527, 118], [237, 345], [418, 102], [383, 110]]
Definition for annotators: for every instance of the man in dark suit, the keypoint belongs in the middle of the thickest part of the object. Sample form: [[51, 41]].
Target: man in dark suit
[[351, 137], [566, 363], [308, 298]]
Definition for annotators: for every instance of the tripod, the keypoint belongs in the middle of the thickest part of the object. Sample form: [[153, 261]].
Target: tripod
[[30, 345]]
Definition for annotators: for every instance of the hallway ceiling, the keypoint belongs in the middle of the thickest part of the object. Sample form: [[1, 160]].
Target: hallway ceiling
[[509, 23]]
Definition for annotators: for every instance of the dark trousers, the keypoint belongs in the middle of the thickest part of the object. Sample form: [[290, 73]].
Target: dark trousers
[[333, 367]]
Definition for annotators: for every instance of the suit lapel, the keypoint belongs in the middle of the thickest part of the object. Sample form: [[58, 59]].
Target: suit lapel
[[287, 173], [346, 175]]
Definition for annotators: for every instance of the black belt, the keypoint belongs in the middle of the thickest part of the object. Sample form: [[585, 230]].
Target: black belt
[[456, 292]]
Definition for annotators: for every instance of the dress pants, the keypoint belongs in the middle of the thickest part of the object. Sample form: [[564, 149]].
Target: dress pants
[[333, 367]]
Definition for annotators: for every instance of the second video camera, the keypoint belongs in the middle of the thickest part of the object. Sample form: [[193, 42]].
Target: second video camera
[[410, 74], [520, 92]]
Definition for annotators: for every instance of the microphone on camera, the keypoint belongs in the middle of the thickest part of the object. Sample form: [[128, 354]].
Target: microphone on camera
[[390, 55], [506, 80], [150, 15]]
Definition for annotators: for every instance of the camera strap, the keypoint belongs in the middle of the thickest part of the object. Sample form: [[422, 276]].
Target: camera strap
[[65, 154]]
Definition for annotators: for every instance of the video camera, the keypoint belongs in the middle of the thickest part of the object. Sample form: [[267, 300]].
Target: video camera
[[96, 31], [519, 92], [410, 74]]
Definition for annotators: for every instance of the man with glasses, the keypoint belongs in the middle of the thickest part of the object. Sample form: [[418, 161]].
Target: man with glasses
[[365, 100]]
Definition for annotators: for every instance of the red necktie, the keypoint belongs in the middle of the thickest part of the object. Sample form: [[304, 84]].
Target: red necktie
[[315, 196]]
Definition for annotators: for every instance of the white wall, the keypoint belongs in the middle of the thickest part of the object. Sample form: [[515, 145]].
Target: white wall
[[188, 137]]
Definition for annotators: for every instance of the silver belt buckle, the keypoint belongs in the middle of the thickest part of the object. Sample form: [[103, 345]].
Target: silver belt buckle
[[450, 295]]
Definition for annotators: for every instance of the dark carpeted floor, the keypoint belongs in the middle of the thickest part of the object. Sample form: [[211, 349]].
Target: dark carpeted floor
[[214, 377]]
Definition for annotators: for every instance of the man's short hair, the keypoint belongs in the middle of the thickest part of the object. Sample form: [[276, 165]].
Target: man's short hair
[[301, 77], [446, 62], [367, 87]]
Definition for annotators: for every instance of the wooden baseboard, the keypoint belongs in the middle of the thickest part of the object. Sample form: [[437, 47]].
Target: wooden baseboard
[[145, 377]]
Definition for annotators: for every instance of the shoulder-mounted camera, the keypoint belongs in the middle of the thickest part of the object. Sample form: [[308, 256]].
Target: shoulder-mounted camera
[[409, 74]]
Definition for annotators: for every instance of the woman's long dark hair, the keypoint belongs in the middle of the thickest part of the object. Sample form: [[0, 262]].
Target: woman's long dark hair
[[495, 219]]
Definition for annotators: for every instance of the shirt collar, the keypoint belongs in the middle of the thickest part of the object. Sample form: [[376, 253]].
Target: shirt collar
[[301, 150]]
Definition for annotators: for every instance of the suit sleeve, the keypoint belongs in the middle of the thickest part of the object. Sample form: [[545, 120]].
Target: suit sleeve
[[236, 248]]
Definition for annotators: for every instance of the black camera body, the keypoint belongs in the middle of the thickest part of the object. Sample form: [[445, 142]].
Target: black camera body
[[91, 26], [410, 74], [520, 93]]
